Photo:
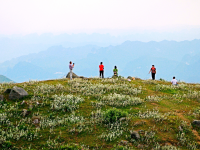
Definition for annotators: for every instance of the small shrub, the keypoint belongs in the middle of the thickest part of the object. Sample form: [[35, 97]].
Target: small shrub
[[113, 115]]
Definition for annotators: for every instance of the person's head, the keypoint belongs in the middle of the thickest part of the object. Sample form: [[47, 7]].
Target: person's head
[[153, 66], [173, 77], [70, 62], [101, 63], [115, 67]]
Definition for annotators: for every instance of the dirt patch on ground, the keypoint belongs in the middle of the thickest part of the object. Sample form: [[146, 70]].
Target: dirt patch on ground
[[154, 104], [180, 115], [197, 135]]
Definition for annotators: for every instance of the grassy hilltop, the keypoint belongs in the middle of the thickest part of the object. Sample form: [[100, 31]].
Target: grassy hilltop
[[101, 114]]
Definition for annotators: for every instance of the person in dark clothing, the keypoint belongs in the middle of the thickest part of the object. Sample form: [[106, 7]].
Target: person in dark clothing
[[101, 70], [153, 72]]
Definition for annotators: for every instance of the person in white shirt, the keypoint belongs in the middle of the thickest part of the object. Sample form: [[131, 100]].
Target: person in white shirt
[[71, 68], [174, 81]]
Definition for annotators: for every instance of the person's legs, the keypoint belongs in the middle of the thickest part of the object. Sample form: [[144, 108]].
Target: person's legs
[[70, 74], [102, 74], [153, 76], [99, 74]]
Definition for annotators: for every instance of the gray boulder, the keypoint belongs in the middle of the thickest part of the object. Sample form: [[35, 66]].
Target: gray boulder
[[135, 135], [17, 93], [1, 98], [7, 91], [196, 122], [73, 75]]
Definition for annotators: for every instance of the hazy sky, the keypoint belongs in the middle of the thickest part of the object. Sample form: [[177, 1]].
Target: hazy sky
[[74, 16]]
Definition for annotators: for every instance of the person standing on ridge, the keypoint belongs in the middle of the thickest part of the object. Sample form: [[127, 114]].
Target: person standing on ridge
[[153, 72], [71, 68], [174, 81], [115, 71], [101, 70]]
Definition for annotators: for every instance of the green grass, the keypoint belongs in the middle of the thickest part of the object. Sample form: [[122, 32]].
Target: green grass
[[86, 124]]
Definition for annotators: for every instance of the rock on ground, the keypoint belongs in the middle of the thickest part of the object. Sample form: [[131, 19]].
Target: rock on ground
[[73, 75], [1, 98], [196, 122], [17, 93], [135, 135], [7, 91]]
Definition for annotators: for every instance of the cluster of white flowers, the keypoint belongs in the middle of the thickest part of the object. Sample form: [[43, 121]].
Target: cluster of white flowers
[[115, 130], [47, 88], [17, 131], [166, 147], [197, 85], [98, 104], [80, 127], [32, 82], [52, 144], [189, 94], [193, 94], [47, 122], [152, 98], [119, 100], [153, 114], [66, 102], [98, 89], [3, 118], [184, 141], [97, 116], [160, 87], [95, 90], [111, 80]]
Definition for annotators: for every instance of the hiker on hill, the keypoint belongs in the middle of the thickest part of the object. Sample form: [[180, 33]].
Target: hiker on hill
[[71, 68], [115, 71], [153, 72], [174, 81], [101, 70]]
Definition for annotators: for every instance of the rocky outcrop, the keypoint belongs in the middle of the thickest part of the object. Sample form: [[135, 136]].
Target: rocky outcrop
[[73, 75], [17, 93]]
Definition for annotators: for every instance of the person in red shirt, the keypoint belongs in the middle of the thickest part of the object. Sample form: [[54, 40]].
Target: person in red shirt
[[153, 72], [101, 70]]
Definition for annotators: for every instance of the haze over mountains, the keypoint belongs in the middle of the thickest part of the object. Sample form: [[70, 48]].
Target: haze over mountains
[[17, 45], [133, 58]]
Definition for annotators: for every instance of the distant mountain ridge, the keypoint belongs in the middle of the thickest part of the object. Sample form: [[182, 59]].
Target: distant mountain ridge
[[133, 58], [4, 79]]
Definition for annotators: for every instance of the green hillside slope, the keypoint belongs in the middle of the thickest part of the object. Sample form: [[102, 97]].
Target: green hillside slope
[[101, 114], [4, 79]]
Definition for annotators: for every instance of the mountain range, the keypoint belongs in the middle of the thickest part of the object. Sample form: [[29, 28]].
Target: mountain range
[[4, 79], [133, 58]]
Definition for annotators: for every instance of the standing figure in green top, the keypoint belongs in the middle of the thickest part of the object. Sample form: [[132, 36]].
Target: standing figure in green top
[[115, 71]]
